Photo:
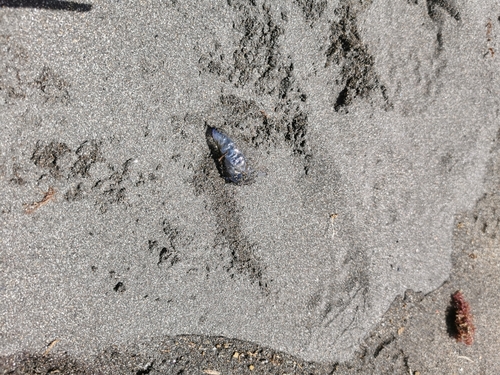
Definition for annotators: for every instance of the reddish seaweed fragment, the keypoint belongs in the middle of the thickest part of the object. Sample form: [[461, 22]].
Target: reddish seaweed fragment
[[463, 319]]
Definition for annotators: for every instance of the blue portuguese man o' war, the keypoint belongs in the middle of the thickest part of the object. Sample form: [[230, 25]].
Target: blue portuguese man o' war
[[235, 164]]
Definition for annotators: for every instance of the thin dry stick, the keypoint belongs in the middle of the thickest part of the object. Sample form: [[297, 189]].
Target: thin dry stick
[[49, 195], [50, 346], [332, 221]]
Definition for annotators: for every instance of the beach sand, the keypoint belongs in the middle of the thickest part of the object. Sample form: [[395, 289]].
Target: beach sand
[[373, 131]]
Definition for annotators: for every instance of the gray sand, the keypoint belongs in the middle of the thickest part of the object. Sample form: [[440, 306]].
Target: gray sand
[[374, 129]]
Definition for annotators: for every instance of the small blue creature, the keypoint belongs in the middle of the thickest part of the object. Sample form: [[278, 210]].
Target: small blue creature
[[235, 164]]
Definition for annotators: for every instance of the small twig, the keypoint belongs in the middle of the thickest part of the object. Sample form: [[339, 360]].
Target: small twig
[[51, 346], [49, 195], [464, 357], [332, 221]]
